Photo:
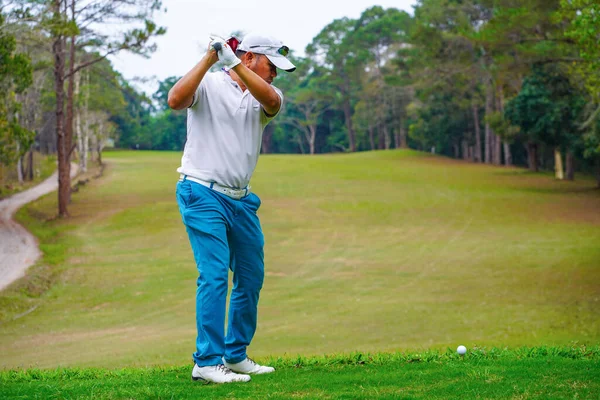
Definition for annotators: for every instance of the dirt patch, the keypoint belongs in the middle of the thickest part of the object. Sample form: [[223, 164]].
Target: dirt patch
[[19, 248]]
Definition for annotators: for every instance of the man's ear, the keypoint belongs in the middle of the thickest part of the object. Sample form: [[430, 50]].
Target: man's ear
[[248, 58]]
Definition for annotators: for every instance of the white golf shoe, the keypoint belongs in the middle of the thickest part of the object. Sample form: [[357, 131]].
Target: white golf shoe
[[249, 366], [217, 374]]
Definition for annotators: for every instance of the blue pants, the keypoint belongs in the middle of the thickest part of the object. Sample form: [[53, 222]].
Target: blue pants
[[224, 234]]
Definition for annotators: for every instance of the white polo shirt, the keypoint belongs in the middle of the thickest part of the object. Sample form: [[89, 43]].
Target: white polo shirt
[[224, 132]]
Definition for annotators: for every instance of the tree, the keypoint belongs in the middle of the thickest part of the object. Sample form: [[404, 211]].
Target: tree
[[310, 103], [379, 33], [15, 77], [584, 31], [333, 49], [103, 82], [167, 128], [447, 56], [80, 27], [309, 96], [546, 110], [133, 120]]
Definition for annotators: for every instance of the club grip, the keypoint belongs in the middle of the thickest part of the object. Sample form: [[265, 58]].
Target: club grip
[[217, 46]]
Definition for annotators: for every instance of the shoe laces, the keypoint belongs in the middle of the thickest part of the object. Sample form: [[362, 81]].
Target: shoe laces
[[223, 369], [251, 361]]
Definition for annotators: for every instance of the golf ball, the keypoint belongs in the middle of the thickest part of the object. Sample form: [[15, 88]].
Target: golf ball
[[461, 350]]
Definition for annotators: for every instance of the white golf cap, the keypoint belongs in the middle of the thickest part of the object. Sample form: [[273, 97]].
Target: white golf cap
[[274, 49]]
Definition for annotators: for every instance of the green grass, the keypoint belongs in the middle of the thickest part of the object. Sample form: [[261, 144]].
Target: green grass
[[523, 373], [371, 252]]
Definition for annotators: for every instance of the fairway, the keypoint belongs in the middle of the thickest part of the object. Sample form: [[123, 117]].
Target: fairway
[[372, 252]]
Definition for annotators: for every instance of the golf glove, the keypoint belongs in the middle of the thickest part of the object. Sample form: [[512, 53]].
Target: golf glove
[[226, 55]]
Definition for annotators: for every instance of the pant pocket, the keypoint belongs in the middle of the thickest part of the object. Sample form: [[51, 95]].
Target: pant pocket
[[183, 193], [254, 202]]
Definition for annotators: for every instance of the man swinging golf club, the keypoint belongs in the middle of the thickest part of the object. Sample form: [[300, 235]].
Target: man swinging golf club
[[227, 113]]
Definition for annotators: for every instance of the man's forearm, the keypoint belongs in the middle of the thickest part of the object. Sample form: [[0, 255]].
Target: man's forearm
[[261, 90], [182, 93]]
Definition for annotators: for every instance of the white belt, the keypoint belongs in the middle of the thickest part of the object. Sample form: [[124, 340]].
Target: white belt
[[227, 191]]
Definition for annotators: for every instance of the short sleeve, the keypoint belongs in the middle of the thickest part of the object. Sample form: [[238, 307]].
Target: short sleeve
[[265, 119], [199, 90]]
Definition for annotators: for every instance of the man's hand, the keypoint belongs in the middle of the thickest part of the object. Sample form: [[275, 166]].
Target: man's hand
[[226, 55]]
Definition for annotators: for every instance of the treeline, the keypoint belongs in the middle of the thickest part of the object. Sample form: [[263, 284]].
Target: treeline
[[505, 82], [491, 81], [58, 91]]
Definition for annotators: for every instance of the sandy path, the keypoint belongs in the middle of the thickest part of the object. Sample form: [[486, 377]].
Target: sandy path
[[18, 248]]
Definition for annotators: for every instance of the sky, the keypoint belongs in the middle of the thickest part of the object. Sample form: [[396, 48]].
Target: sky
[[189, 24]]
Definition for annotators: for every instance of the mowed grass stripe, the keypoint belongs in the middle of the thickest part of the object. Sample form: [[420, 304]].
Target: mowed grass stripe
[[378, 251], [539, 372]]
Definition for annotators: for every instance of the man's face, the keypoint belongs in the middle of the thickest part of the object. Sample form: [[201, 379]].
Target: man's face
[[262, 67]]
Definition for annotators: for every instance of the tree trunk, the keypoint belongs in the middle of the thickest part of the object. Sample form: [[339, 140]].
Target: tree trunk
[[30, 164], [507, 155], [397, 138], [386, 137], [86, 123], [64, 182], [558, 165], [486, 144], [381, 142], [497, 153], [69, 119], [310, 131], [497, 150], [372, 137], [403, 138], [78, 130], [266, 138], [298, 138], [488, 130], [94, 138], [532, 157], [570, 165], [477, 154], [312, 138], [348, 116], [19, 164], [86, 149], [100, 142]]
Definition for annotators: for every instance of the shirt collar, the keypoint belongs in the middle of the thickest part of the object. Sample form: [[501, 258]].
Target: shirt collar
[[227, 77]]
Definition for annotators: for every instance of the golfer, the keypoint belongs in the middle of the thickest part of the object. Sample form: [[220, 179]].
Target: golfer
[[227, 113]]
